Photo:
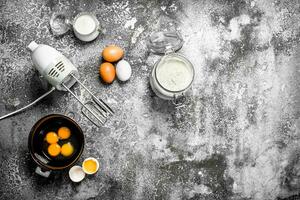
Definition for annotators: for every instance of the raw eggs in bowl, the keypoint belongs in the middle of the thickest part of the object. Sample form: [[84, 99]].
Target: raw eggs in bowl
[[55, 142]]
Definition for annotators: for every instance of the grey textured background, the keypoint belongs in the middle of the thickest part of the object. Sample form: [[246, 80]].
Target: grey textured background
[[237, 136]]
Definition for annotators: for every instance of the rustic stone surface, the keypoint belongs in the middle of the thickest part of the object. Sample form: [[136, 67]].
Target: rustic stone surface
[[237, 136]]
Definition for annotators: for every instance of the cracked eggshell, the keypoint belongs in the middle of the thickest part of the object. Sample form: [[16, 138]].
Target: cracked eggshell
[[76, 174], [123, 70]]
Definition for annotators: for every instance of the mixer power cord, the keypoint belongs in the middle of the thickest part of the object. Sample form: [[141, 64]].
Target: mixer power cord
[[29, 105]]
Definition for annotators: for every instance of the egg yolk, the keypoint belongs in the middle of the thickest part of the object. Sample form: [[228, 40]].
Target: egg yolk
[[52, 138], [90, 166], [64, 132], [67, 149], [54, 149]]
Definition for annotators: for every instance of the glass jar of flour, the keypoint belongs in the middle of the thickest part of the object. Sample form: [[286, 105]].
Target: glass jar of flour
[[173, 74]]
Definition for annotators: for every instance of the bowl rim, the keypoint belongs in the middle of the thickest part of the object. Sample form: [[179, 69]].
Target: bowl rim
[[33, 131]]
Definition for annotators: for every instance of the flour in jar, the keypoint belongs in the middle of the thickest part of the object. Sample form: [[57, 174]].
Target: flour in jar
[[174, 74]]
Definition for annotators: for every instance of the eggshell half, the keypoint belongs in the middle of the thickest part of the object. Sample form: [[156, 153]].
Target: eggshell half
[[93, 159], [76, 174]]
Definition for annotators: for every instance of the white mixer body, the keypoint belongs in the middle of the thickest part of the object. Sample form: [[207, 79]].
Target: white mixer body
[[53, 66], [62, 75]]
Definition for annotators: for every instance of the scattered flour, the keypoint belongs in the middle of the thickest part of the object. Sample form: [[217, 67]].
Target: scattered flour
[[130, 23], [136, 34], [236, 24]]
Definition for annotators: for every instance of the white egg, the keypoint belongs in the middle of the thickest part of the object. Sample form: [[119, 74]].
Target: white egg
[[123, 70]]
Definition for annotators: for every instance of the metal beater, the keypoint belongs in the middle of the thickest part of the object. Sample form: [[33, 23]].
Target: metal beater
[[62, 75]]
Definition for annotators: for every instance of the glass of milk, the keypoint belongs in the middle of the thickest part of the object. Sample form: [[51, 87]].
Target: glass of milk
[[173, 74], [85, 25]]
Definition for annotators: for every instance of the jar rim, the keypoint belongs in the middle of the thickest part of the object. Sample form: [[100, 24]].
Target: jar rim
[[93, 17], [181, 57]]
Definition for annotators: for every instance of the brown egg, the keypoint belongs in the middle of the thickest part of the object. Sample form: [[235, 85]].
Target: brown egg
[[112, 53], [107, 72]]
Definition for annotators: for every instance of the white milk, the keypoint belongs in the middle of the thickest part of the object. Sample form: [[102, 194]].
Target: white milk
[[85, 24], [174, 74]]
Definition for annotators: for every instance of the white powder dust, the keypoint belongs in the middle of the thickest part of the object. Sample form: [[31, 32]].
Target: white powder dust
[[236, 24], [130, 23]]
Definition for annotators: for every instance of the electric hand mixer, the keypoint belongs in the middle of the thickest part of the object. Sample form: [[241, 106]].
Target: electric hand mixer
[[62, 75]]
